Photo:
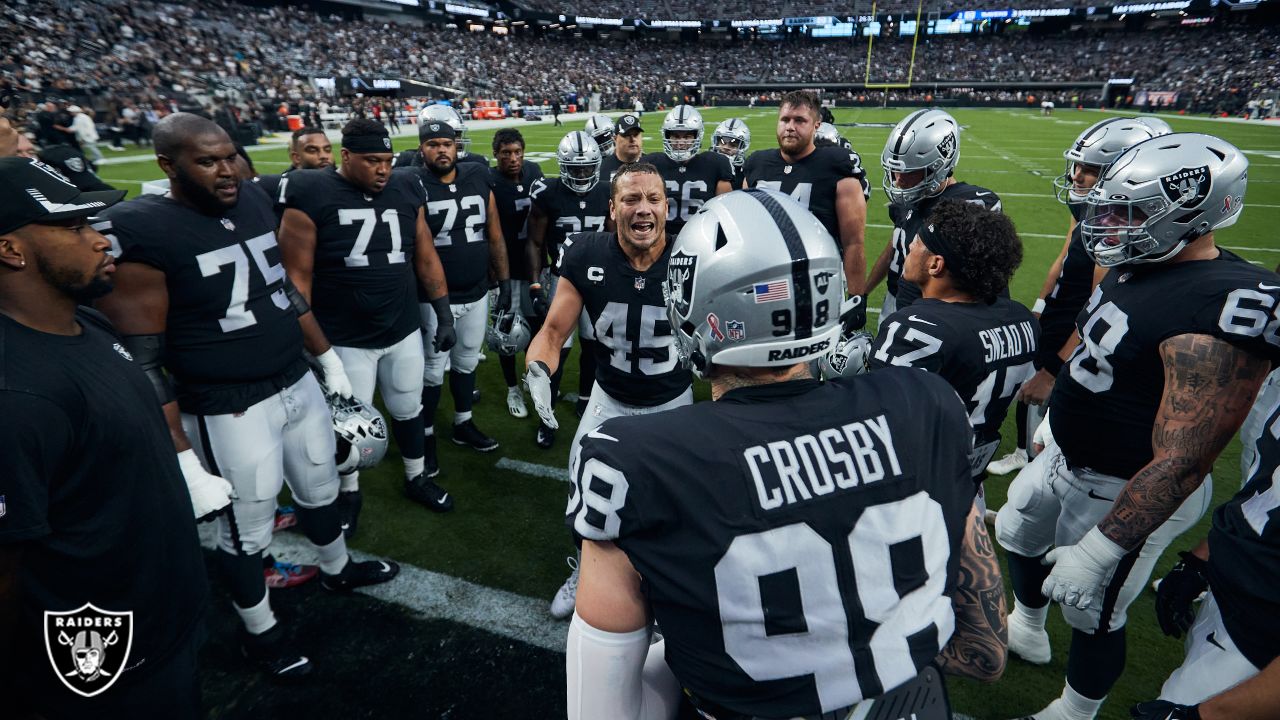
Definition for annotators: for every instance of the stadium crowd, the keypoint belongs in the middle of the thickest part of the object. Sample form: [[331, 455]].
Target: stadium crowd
[[757, 9]]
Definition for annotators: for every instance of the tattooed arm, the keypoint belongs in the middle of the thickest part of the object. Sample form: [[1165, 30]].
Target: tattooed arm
[[1209, 386], [978, 647]]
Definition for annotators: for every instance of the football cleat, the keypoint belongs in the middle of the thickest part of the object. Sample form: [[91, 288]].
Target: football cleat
[[349, 504], [515, 403], [566, 597], [286, 575], [359, 574], [273, 655], [466, 433], [1012, 462], [427, 492]]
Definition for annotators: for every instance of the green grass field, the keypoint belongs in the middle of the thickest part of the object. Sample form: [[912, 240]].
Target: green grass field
[[507, 530]]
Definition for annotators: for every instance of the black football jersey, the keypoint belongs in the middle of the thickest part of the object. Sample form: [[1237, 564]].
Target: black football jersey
[[783, 528], [984, 351], [1073, 284], [232, 337], [362, 290], [636, 359], [608, 166], [811, 180], [271, 184], [514, 202], [906, 225], [457, 214], [1106, 396], [1244, 551], [568, 212], [689, 185]]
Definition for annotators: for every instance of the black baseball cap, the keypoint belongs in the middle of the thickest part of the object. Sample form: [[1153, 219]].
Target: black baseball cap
[[32, 192], [626, 124]]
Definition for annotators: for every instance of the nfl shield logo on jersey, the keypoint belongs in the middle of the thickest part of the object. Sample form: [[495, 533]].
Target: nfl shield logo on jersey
[[88, 647], [230, 226], [679, 288], [639, 284]]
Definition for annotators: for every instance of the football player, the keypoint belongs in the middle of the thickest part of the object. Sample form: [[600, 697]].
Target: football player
[[962, 258], [577, 201], [309, 149], [628, 146], [692, 177], [828, 182], [803, 546], [919, 162], [513, 181], [600, 128], [208, 313], [616, 278], [442, 114], [1072, 276], [1174, 347], [463, 219], [351, 239], [732, 138]]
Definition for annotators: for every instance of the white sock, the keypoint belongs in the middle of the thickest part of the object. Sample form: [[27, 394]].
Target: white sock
[[333, 557], [350, 482], [1079, 706], [429, 430], [259, 618], [461, 417], [413, 467], [1033, 616]]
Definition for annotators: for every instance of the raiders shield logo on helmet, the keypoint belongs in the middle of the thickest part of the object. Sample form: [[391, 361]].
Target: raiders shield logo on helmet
[[947, 147], [1191, 183], [88, 647], [679, 290]]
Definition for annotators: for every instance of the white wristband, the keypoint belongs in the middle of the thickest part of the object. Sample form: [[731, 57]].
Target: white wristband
[[1038, 308]]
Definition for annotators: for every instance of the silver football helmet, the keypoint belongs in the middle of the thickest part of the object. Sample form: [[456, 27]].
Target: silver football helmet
[[1158, 126], [753, 280], [852, 356], [732, 134], [927, 140], [1099, 145], [361, 433], [450, 117], [579, 157], [1162, 194], [682, 118], [509, 333], [827, 131], [600, 128]]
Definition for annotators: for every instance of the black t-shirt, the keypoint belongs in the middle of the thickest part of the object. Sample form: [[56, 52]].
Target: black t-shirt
[[811, 180], [984, 351], [70, 162], [689, 184], [906, 225], [457, 214], [782, 528], [232, 338], [512, 198], [1106, 396], [568, 212], [362, 291], [1244, 553], [92, 491], [636, 359]]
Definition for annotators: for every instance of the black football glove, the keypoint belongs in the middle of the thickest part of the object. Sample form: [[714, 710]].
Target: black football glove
[[504, 295], [541, 304], [1164, 710], [1178, 590], [853, 314], [446, 337]]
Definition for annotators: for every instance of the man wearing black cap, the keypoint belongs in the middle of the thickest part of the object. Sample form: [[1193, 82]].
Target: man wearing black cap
[[628, 146], [90, 478], [963, 328], [351, 239], [206, 310], [467, 232]]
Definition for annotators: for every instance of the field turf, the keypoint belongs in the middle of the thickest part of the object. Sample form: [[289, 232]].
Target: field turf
[[507, 532]]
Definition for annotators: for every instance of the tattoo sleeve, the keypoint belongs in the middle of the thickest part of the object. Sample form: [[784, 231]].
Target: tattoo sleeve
[[978, 647], [1209, 385]]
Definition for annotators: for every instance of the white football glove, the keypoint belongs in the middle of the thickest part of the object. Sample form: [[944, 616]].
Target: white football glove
[[335, 375], [1080, 570], [538, 380], [210, 494], [1043, 436]]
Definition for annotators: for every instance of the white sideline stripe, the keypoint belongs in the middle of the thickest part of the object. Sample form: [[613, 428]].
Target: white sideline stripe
[[1251, 249], [534, 469], [434, 595]]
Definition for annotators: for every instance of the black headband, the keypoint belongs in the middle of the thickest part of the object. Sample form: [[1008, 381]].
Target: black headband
[[940, 244], [435, 129], [366, 143]]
